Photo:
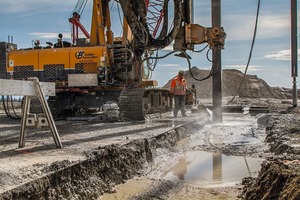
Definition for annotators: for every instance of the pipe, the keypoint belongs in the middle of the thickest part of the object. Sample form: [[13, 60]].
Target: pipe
[[294, 50], [190, 11], [216, 66]]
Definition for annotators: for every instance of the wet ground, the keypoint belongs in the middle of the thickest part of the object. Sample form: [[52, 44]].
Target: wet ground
[[209, 170], [210, 163], [41, 171], [231, 160], [182, 158]]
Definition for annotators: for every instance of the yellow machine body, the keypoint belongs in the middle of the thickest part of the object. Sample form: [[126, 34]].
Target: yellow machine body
[[55, 64]]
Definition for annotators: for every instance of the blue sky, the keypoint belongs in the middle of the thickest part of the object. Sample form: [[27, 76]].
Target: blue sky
[[27, 20]]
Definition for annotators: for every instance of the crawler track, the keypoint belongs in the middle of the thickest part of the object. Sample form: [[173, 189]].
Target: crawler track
[[136, 104]]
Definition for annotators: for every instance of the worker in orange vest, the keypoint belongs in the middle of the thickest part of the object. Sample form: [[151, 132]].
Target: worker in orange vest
[[178, 89]]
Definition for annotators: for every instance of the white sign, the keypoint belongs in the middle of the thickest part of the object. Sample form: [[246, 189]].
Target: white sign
[[23, 88]]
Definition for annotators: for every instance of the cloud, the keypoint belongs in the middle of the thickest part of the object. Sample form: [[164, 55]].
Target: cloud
[[168, 65], [268, 26], [50, 35], [282, 55], [251, 68]]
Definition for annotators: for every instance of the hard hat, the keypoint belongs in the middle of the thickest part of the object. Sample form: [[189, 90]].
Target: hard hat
[[181, 72]]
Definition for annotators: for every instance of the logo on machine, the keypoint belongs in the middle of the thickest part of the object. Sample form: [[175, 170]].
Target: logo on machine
[[79, 54], [11, 63]]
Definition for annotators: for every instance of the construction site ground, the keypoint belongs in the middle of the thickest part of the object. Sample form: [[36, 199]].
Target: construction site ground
[[244, 157]]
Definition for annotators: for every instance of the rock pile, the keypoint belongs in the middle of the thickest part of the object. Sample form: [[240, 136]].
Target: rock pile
[[252, 87]]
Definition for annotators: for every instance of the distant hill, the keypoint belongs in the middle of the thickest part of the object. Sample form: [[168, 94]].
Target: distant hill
[[252, 87]]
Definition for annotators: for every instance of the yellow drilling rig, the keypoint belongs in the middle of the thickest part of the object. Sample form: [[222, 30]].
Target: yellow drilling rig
[[98, 68]]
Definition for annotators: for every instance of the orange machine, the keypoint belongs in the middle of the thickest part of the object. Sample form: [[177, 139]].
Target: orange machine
[[55, 64], [92, 71]]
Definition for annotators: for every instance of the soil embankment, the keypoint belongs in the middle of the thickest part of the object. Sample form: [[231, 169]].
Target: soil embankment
[[279, 177], [123, 149]]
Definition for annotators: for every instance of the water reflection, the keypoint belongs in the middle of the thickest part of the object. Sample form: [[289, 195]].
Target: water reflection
[[180, 169], [212, 169], [217, 167]]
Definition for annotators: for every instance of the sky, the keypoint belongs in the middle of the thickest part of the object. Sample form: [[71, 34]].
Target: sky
[[27, 20]]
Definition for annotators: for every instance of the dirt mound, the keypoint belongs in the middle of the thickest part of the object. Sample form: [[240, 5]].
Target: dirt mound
[[277, 180], [279, 177], [283, 135], [252, 87]]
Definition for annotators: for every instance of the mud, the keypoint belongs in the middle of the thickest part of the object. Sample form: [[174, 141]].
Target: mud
[[100, 170], [238, 136], [146, 188], [136, 163], [196, 168], [283, 134], [104, 168], [212, 170], [279, 177]]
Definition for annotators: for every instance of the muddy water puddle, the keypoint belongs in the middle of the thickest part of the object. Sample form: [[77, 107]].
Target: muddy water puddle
[[236, 136], [209, 164], [206, 170]]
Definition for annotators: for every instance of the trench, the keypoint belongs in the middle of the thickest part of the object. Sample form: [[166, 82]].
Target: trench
[[102, 169], [209, 164]]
